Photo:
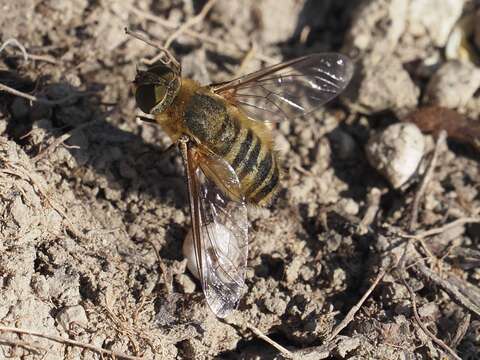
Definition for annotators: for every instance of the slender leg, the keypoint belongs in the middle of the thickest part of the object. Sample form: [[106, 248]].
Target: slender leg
[[194, 199]]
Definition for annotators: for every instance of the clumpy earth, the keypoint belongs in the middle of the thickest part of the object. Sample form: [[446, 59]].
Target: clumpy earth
[[93, 211]]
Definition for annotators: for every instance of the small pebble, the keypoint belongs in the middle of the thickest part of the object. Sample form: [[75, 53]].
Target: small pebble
[[343, 144], [453, 85], [383, 85], [428, 310], [396, 152], [347, 345], [72, 314], [348, 206], [186, 283], [291, 273], [278, 20], [434, 18], [276, 305]]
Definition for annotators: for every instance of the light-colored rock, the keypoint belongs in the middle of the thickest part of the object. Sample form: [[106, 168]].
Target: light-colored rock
[[377, 27], [186, 283], [453, 85], [396, 152], [428, 310], [383, 85], [291, 273], [433, 18], [278, 19], [347, 345], [348, 206], [72, 315]]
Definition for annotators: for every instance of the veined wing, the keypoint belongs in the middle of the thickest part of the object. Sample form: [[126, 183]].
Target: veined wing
[[289, 89], [220, 230]]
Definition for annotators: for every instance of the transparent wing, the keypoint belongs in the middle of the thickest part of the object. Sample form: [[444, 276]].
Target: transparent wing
[[290, 89], [221, 246]]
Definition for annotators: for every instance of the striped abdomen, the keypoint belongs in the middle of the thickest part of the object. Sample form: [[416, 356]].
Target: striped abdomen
[[231, 136]]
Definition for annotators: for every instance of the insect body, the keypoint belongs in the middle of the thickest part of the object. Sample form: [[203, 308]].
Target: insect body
[[215, 124], [228, 151]]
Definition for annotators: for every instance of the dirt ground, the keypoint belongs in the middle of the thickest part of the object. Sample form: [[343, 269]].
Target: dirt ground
[[93, 213]]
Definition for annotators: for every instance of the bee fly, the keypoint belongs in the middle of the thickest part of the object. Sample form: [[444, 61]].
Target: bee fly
[[227, 147]]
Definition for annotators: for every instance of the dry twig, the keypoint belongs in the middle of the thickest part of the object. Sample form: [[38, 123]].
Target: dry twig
[[36, 349], [285, 352], [351, 314], [167, 278], [462, 329], [17, 44], [190, 23], [449, 288], [61, 101], [170, 59], [426, 179], [70, 342], [439, 342], [26, 56], [442, 229], [411, 227], [373, 198]]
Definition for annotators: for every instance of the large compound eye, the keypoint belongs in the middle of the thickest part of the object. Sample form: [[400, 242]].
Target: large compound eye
[[155, 87], [148, 96]]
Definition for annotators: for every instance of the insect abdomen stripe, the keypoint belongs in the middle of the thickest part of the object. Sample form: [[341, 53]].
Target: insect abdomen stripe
[[268, 188], [243, 150], [251, 161], [226, 142], [262, 172]]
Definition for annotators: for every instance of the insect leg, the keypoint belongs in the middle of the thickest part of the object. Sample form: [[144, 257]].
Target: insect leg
[[190, 165]]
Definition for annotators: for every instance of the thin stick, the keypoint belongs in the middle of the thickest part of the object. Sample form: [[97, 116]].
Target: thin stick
[[426, 180], [351, 314], [36, 349], [64, 100], [45, 58], [373, 198], [191, 22], [461, 331], [70, 342], [170, 58], [17, 44], [441, 229], [450, 288], [162, 267], [285, 352], [439, 342], [149, 16]]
